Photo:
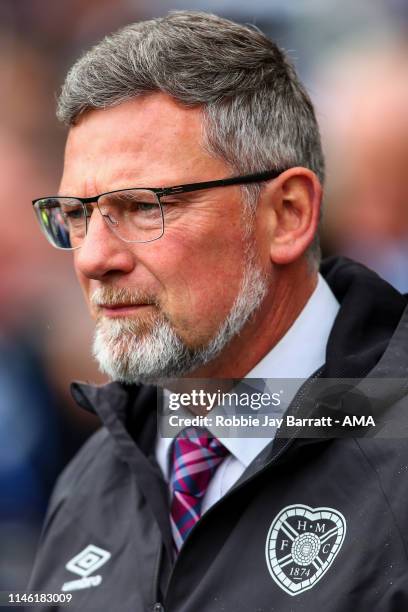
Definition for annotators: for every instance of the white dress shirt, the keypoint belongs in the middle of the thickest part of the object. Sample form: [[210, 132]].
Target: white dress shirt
[[300, 352]]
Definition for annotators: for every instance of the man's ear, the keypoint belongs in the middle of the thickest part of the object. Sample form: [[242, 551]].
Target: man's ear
[[292, 205]]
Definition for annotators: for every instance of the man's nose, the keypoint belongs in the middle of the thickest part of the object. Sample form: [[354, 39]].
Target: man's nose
[[102, 251]]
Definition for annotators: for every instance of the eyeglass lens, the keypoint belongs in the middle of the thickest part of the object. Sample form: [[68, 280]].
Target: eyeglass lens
[[134, 215]]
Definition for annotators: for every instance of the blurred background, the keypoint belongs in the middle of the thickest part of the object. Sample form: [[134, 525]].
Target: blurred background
[[353, 59]]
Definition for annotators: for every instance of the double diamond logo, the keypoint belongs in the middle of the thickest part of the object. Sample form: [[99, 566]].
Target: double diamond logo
[[84, 564], [301, 545]]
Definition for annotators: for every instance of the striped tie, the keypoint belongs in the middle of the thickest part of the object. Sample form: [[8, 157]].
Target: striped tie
[[196, 455]]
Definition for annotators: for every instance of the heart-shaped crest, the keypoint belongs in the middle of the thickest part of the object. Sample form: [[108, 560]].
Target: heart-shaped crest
[[301, 545]]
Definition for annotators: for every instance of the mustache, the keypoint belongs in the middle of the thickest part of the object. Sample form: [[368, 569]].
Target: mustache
[[111, 296]]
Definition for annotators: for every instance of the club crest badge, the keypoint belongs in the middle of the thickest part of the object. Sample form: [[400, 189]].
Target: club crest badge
[[301, 545]]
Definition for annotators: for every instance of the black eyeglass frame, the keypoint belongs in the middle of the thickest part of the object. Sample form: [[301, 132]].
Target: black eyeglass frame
[[245, 179]]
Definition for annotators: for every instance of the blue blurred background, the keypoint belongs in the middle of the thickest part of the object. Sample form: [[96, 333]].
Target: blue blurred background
[[353, 58]]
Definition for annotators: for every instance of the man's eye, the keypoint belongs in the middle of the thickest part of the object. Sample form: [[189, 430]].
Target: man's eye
[[73, 214], [145, 207]]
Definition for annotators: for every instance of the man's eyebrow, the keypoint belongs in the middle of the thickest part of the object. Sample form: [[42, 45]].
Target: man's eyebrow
[[188, 195], [69, 194]]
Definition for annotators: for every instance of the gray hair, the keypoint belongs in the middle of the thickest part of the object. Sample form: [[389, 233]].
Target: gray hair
[[257, 114]]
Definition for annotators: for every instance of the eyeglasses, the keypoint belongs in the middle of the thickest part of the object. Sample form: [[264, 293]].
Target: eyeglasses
[[134, 215]]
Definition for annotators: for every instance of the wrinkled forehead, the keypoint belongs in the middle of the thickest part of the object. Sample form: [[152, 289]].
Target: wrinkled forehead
[[147, 141]]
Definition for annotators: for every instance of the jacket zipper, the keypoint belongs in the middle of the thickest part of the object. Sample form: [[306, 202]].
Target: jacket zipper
[[157, 606]]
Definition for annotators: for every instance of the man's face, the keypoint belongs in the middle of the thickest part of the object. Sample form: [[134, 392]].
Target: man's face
[[183, 286]]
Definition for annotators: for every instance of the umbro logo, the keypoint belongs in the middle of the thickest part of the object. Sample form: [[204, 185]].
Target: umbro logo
[[85, 563], [301, 545]]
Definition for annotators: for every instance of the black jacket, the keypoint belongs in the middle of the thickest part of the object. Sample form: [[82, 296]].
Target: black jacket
[[313, 523]]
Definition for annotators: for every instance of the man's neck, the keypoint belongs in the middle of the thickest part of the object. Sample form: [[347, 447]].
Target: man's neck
[[280, 309]]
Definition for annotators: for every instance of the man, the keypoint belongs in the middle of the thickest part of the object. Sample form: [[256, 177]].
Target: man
[[189, 275]]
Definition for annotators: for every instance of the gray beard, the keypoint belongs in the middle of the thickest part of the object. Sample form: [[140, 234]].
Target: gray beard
[[127, 355]]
